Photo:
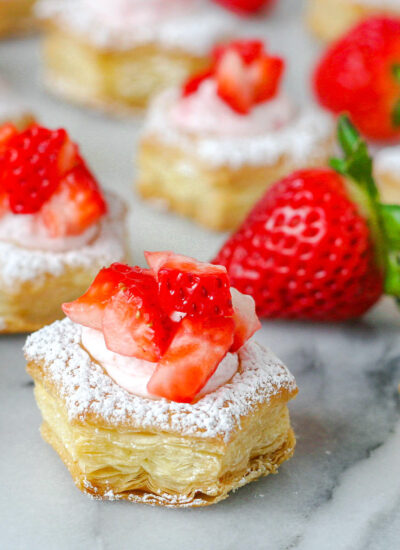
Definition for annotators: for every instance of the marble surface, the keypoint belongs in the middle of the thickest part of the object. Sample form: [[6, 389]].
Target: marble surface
[[341, 491]]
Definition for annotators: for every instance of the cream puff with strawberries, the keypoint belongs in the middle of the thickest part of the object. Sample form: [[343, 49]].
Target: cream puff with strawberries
[[116, 54], [329, 19], [153, 390], [57, 227], [212, 147]]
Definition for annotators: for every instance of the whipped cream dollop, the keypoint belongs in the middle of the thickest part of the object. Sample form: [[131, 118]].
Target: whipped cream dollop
[[204, 113], [381, 4], [387, 160], [135, 13], [28, 231], [133, 374]]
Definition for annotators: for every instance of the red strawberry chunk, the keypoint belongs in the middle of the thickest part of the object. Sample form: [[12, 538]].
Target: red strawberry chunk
[[246, 7], [193, 356], [187, 286], [75, 205], [133, 322], [245, 318], [88, 310], [29, 165], [246, 75]]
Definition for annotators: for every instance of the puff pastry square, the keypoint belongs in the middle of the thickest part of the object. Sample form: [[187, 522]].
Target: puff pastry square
[[34, 284], [120, 446], [215, 181]]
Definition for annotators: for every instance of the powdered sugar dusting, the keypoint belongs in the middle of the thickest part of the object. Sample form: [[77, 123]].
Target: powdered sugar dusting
[[87, 390], [195, 32], [302, 140], [19, 265]]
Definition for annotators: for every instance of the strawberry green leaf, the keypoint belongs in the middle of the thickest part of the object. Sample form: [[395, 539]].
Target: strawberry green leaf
[[357, 163], [396, 114], [383, 219], [396, 71]]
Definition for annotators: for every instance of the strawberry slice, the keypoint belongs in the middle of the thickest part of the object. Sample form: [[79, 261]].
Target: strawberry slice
[[246, 75], [193, 356], [88, 310], [134, 323], [245, 318], [191, 287], [75, 205]]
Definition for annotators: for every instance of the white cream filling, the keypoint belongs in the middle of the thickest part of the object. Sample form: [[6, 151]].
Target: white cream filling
[[133, 374], [28, 231], [204, 113]]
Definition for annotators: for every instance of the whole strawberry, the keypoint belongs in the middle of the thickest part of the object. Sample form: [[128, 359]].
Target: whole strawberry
[[246, 7], [360, 74], [319, 245]]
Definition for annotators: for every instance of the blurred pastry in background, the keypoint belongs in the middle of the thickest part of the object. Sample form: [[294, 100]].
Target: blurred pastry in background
[[12, 109], [16, 17], [211, 148], [329, 19], [57, 227], [387, 173], [116, 54]]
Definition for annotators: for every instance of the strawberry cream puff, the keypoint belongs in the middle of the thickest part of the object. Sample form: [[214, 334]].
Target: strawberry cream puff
[[151, 390], [329, 19], [116, 54], [211, 148], [56, 226]]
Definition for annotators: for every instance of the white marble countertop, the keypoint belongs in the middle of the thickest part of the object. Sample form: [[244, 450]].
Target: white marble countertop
[[341, 491]]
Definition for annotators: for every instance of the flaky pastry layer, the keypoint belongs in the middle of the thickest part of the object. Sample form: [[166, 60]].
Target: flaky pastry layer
[[116, 81], [33, 285], [389, 187], [16, 17], [217, 197], [329, 19], [166, 469]]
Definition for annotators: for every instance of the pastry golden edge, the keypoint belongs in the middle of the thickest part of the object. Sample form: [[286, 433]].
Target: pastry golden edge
[[108, 80], [329, 19], [30, 305], [389, 187], [217, 198], [16, 18], [159, 466]]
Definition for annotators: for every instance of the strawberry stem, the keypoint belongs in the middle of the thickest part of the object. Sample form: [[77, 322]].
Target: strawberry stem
[[384, 219]]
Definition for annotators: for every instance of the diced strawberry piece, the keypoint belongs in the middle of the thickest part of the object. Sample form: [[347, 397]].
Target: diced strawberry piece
[[246, 7], [245, 318], [194, 288], [193, 83], [75, 205], [29, 166], [133, 322], [7, 131], [193, 356], [88, 310], [246, 75]]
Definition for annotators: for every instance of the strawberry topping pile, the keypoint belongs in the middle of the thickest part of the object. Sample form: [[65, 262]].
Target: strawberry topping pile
[[42, 173], [244, 73], [179, 313], [319, 245], [360, 74], [246, 7]]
